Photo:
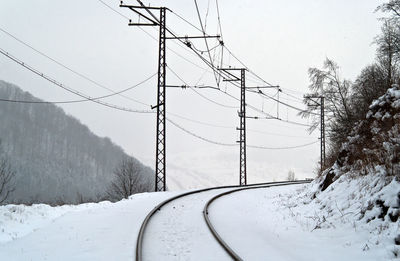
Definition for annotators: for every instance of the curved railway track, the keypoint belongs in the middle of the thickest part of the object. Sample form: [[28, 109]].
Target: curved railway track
[[218, 237], [236, 188]]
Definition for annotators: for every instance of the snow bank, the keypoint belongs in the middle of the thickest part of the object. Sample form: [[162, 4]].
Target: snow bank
[[19, 220], [367, 204], [94, 231]]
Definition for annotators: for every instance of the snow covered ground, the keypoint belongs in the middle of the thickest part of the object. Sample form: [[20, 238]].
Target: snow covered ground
[[103, 231], [278, 223]]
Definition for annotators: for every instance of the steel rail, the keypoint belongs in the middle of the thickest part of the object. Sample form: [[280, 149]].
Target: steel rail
[[139, 241], [224, 245]]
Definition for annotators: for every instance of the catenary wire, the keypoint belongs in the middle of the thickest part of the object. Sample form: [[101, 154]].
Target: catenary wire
[[281, 102], [205, 40], [154, 38], [235, 144], [81, 100], [215, 69], [281, 148], [200, 137], [67, 67], [53, 81], [198, 93]]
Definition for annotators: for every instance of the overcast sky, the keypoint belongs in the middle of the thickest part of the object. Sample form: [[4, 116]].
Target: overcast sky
[[278, 40]]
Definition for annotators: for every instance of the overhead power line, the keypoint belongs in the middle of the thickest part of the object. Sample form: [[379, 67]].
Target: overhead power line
[[67, 67], [205, 39], [81, 100], [200, 137], [281, 102], [235, 144], [234, 128], [249, 70], [198, 93], [282, 148], [152, 37], [219, 19], [63, 86]]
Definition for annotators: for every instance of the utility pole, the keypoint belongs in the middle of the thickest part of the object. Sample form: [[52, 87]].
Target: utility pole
[[322, 132], [321, 104], [242, 117], [160, 175], [160, 184], [151, 20]]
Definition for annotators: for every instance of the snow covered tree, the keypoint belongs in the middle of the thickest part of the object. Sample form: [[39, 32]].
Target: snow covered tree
[[127, 180], [339, 118]]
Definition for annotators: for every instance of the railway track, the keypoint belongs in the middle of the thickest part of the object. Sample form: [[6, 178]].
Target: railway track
[[235, 188], [217, 236]]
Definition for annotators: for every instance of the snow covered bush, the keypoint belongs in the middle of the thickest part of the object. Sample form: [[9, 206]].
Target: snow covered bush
[[373, 142]]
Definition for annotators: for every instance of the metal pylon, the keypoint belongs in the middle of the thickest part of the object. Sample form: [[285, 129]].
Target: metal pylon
[[242, 129], [160, 182]]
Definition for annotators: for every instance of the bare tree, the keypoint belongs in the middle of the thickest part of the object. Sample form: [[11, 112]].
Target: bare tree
[[127, 180], [6, 177], [388, 50], [326, 82], [291, 176], [392, 7]]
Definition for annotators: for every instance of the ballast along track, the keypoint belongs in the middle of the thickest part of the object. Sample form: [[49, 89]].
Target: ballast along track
[[139, 242], [220, 240]]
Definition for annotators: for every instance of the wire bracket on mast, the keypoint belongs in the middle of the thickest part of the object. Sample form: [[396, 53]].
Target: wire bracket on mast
[[151, 20], [242, 117], [322, 138], [160, 175]]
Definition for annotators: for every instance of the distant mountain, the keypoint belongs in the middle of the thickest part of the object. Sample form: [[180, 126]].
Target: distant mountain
[[56, 157]]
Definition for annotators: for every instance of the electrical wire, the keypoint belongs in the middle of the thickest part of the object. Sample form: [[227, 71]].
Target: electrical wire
[[248, 69], [233, 128], [154, 38], [215, 70], [185, 20], [82, 100], [96, 99], [205, 19], [67, 67], [208, 63], [235, 144], [198, 93], [205, 40], [219, 19], [200, 137], [281, 148], [281, 102], [51, 80], [200, 122]]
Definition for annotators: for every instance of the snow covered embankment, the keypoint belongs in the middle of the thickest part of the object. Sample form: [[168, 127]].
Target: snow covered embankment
[[362, 188]]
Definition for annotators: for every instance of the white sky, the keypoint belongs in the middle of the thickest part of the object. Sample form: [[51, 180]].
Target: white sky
[[279, 40]]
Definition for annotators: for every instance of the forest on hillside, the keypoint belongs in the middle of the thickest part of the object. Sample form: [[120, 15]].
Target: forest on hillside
[[56, 159]]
